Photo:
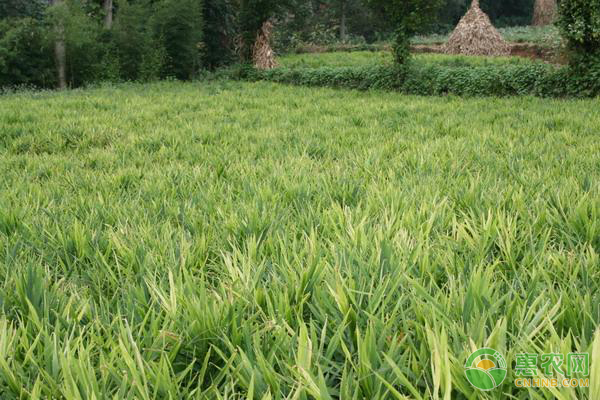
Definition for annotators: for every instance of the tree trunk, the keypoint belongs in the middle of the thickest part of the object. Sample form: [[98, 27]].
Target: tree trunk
[[343, 27], [61, 62], [60, 52], [544, 12], [108, 13]]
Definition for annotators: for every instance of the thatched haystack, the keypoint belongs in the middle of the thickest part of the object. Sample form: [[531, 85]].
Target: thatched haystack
[[475, 35], [544, 12], [263, 55]]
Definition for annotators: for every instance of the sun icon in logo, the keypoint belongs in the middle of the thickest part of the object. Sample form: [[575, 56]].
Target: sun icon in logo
[[486, 364], [486, 369]]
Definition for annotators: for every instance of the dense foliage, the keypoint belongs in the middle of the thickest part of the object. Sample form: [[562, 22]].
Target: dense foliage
[[579, 22], [133, 50], [149, 40], [430, 75], [22, 8], [179, 24], [408, 18], [219, 19], [153, 39], [427, 80], [25, 59], [233, 240]]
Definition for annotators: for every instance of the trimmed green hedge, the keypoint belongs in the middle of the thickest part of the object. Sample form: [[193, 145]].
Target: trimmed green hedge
[[539, 79], [339, 48]]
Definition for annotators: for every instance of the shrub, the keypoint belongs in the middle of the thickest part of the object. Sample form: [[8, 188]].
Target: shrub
[[25, 58], [139, 56], [149, 40], [409, 17], [362, 78], [179, 24], [425, 79], [219, 29], [156, 40], [82, 35], [584, 75], [580, 24]]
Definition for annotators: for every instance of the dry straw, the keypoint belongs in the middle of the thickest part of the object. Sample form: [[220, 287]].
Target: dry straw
[[263, 55], [475, 35]]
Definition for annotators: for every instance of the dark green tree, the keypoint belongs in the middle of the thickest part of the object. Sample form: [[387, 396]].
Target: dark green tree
[[132, 46], [219, 32], [579, 21], [252, 15], [347, 16], [22, 8], [409, 18], [179, 24], [25, 57]]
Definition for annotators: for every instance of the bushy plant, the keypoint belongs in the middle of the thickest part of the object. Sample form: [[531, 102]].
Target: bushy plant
[[429, 79], [179, 24], [579, 22], [22, 8], [409, 17], [219, 31], [84, 47], [138, 54], [25, 58], [149, 40]]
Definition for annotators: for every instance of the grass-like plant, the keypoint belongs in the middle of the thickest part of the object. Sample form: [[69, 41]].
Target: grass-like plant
[[247, 240]]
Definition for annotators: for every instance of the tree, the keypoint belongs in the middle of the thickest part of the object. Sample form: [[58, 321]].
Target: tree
[[22, 8], [544, 12], [139, 55], [343, 10], [409, 17], [179, 24], [579, 21], [253, 14], [60, 52], [219, 31], [108, 13], [25, 57], [343, 16]]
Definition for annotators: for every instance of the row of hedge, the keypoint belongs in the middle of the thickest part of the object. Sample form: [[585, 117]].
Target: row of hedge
[[543, 80], [339, 48]]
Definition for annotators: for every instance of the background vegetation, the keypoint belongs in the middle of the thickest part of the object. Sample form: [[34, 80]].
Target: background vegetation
[[158, 39]]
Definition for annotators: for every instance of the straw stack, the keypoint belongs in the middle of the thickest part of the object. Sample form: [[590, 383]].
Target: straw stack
[[263, 55], [475, 35]]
